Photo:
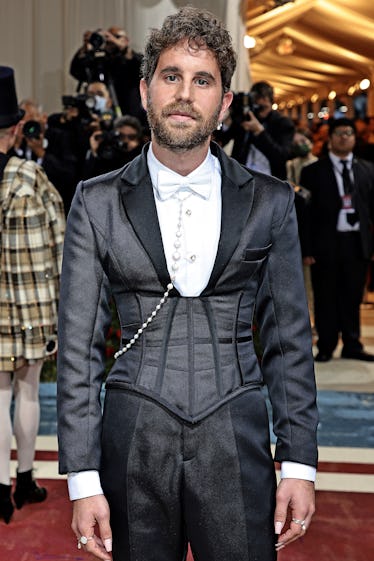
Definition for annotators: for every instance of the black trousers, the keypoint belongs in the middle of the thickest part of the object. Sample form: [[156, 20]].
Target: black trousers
[[169, 482], [338, 286]]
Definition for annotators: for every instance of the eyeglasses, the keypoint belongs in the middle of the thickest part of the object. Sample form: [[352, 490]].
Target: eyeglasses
[[346, 132]]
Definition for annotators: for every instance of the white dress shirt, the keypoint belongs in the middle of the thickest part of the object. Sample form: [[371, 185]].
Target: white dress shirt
[[201, 227]]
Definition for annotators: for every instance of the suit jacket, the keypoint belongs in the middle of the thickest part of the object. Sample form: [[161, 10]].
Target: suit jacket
[[319, 235], [198, 352]]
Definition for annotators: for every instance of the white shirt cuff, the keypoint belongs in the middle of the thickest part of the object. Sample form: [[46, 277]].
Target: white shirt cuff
[[83, 484], [294, 470]]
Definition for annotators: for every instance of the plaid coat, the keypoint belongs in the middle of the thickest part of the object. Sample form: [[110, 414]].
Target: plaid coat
[[32, 225]]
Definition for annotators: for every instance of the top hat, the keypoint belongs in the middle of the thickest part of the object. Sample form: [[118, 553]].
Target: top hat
[[10, 113]]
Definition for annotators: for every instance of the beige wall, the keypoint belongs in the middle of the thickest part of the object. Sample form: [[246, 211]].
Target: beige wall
[[39, 37]]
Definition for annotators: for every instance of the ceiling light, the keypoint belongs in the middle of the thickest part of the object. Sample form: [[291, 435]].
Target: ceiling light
[[285, 46], [249, 42], [332, 95], [364, 84], [314, 98]]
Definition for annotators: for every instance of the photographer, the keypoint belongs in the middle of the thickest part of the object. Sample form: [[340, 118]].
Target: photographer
[[33, 121], [107, 56], [113, 146], [262, 137], [37, 142], [68, 136]]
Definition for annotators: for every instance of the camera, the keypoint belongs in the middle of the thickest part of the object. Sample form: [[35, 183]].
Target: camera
[[111, 145], [242, 104], [85, 105], [81, 101], [97, 41], [32, 129]]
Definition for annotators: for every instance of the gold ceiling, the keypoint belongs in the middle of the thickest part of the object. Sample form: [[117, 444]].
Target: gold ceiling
[[310, 46]]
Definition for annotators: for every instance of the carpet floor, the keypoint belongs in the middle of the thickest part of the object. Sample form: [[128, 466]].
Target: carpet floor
[[342, 529]]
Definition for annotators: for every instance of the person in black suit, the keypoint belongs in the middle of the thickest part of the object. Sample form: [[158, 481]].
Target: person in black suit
[[187, 242], [338, 240], [262, 137]]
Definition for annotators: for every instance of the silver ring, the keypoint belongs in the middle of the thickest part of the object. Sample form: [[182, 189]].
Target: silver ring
[[301, 522], [83, 541]]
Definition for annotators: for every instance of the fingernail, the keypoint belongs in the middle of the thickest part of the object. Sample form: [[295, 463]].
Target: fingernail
[[108, 545], [278, 527]]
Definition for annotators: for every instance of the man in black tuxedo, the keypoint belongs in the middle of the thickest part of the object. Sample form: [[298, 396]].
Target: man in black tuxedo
[[338, 240], [187, 242]]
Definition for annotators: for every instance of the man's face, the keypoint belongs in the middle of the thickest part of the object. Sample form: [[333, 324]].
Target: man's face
[[129, 137], [342, 141], [184, 99], [265, 106], [99, 89]]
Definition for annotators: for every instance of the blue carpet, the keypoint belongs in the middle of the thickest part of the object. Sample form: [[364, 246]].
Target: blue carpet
[[346, 419]]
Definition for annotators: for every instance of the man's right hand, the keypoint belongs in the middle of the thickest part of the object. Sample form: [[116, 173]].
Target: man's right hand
[[86, 514]]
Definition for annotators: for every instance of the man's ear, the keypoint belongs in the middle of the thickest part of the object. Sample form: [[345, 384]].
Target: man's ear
[[226, 102], [143, 93]]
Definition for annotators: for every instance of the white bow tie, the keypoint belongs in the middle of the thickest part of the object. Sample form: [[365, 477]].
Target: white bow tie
[[169, 183]]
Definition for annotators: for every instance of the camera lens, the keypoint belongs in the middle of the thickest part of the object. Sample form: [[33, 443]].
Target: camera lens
[[32, 129], [96, 40]]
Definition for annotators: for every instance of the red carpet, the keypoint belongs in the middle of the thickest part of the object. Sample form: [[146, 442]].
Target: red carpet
[[342, 530]]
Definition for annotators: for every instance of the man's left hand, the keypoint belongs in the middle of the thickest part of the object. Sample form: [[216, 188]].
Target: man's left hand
[[298, 496]]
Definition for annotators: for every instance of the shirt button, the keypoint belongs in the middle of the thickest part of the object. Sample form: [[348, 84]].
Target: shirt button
[[192, 258], [188, 212]]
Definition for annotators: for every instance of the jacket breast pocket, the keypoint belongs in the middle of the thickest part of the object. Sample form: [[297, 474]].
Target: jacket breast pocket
[[256, 255]]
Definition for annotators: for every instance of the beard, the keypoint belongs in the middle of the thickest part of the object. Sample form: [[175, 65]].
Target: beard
[[181, 136]]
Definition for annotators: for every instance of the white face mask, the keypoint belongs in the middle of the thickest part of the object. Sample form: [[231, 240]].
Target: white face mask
[[100, 104]]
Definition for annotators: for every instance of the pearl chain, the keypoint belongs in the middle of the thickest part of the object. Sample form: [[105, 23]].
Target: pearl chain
[[175, 266], [146, 323]]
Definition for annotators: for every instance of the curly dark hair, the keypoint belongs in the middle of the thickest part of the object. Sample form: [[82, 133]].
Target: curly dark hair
[[202, 29]]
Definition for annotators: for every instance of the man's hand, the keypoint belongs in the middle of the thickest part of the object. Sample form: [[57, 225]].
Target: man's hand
[[86, 514], [252, 124], [37, 146], [121, 41], [298, 496]]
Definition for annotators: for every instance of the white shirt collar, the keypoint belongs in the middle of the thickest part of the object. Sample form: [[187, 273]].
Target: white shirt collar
[[154, 166], [336, 160]]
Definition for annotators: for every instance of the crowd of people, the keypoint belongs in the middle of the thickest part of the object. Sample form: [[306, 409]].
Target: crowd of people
[[210, 275], [90, 124]]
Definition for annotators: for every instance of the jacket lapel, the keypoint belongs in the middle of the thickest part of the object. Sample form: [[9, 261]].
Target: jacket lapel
[[237, 199], [140, 208], [328, 178]]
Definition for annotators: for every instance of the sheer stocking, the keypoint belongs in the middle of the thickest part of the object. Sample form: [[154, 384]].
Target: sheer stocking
[[6, 426], [26, 417]]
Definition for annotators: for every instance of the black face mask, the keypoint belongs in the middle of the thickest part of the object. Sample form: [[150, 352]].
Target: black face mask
[[300, 150]]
